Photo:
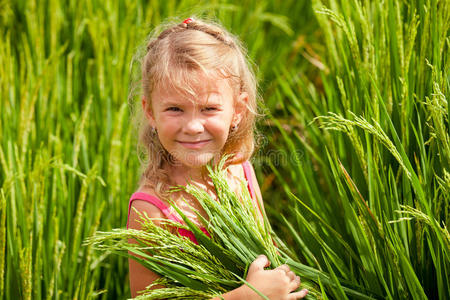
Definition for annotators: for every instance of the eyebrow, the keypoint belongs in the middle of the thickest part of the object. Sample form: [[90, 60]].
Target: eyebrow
[[170, 103], [209, 101]]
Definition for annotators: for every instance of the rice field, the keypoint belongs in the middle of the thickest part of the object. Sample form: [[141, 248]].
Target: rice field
[[354, 162]]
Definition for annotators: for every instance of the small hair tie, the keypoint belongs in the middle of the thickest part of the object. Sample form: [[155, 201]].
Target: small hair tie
[[188, 20]]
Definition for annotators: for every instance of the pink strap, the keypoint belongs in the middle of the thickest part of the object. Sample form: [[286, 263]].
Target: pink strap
[[156, 202], [248, 175], [166, 211]]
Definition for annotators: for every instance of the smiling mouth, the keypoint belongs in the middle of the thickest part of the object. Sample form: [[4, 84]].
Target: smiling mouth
[[194, 145]]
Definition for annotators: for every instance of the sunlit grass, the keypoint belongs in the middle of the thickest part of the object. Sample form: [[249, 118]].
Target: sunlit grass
[[371, 199], [67, 151]]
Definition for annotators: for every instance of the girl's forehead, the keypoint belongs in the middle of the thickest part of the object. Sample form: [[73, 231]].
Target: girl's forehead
[[195, 91]]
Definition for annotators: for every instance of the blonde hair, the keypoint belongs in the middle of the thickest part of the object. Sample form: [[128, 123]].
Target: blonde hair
[[175, 55]]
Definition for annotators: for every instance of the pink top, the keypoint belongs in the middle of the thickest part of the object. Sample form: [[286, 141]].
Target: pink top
[[174, 216]]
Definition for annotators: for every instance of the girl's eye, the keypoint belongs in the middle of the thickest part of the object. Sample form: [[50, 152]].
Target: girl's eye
[[173, 108], [210, 109]]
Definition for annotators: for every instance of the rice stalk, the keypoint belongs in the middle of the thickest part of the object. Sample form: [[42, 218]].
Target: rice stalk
[[216, 265], [337, 122]]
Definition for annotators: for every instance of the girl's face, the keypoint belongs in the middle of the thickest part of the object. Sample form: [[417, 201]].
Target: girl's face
[[194, 131]]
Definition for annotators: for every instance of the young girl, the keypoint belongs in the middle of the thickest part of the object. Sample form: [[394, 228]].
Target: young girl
[[199, 103]]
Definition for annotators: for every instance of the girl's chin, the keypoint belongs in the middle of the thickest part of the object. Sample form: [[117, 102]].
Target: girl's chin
[[194, 160]]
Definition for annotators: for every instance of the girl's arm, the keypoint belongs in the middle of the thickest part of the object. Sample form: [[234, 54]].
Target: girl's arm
[[140, 276]]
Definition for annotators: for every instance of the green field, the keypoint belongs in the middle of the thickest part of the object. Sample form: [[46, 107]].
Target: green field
[[354, 156]]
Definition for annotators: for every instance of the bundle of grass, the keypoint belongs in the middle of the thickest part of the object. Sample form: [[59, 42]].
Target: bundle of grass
[[218, 263]]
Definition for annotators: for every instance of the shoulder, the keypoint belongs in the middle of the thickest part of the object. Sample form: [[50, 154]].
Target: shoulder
[[251, 177], [143, 207], [241, 169], [244, 171], [237, 171]]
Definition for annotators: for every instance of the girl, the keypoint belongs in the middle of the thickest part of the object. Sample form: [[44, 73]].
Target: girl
[[199, 103]]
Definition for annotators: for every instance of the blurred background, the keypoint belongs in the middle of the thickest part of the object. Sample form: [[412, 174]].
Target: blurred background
[[354, 155]]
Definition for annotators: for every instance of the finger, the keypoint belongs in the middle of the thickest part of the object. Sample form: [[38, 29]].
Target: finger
[[285, 270], [259, 263], [298, 295], [284, 267], [294, 284], [291, 275]]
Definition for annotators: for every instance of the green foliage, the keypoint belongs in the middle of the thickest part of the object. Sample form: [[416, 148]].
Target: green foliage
[[67, 151], [370, 199]]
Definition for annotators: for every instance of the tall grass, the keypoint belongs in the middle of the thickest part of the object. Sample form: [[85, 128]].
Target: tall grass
[[372, 198], [370, 182], [67, 152]]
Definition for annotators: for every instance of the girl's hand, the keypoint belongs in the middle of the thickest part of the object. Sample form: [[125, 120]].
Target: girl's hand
[[278, 283]]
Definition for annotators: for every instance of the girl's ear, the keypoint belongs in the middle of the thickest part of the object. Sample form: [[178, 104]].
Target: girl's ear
[[147, 108], [240, 108]]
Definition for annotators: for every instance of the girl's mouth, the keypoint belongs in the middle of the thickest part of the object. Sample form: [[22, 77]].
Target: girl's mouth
[[194, 145]]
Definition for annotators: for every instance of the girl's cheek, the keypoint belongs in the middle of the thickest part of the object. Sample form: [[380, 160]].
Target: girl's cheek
[[170, 120], [217, 123]]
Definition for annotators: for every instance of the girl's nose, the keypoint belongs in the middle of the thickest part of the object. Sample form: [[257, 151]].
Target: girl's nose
[[193, 126]]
